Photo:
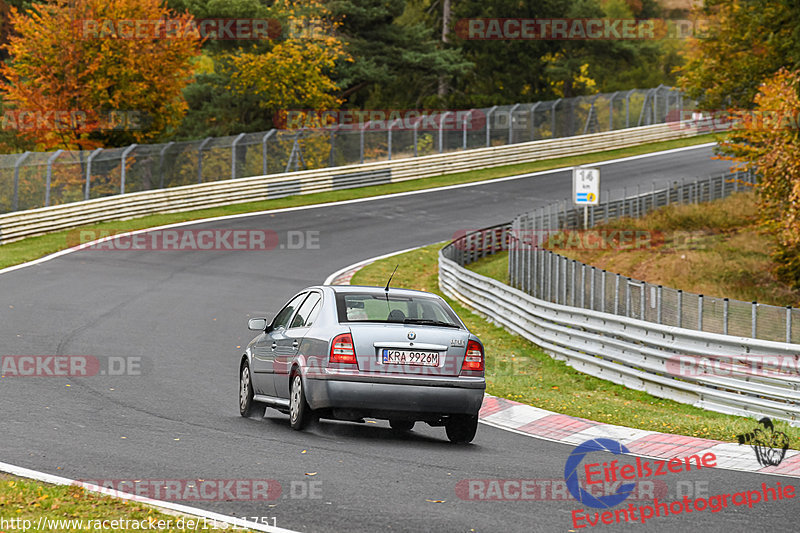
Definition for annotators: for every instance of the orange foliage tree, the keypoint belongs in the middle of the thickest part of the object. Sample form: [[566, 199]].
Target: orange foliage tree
[[72, 88], [297, 70], [767, 139]]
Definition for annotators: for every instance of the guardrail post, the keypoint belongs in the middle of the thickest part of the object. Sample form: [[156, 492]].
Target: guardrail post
[[788, 323], [680, 308], [233, 154], [603, 291], [658, 304], [753, 318], [264, 140], [616, 294], [17, 163], [699, 312], [489, 125], [200, 158], [591, 290], [49, 178], [511, 123], [725, 315], [89, 160], [124, 169]]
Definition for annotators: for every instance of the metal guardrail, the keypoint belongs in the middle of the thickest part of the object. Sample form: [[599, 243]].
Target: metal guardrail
[[15, 226], [43, 179], [585, 324]]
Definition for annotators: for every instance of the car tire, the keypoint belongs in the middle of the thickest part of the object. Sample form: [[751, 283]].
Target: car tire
[[299, 411], [402, 426], [461, 429], [247, 406]]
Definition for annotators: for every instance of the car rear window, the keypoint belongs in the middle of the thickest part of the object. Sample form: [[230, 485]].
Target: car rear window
[[366, 307]]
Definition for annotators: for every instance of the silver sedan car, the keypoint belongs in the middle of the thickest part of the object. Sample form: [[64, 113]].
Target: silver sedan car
[[349, 353]]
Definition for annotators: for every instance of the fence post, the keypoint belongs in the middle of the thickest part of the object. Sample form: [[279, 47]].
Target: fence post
[[533, 120], [658, 304], [464, 129], [699, 312], [725, 315], [264, 139], [361, 142], [553, 119], [161, 155], [50, 161], [574, 267], [511, 123], [583, 285], [591, 290], [416, 133], [89, 172], [788, 323], [556, 279], [603, 291], [628, 297], [753, 317], [200, 158], [233, 154], [17, 163], [642, 299], [489, 126], [680, 308], [616, 294], [442, 120]]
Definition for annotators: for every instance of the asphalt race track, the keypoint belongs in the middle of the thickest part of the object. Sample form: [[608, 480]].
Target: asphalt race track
[[184, 313]]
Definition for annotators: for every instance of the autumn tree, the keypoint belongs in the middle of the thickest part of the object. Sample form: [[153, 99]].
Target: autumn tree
[[738, 44], [87, 88]]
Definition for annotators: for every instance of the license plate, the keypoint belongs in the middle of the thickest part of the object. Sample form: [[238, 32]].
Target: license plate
[[409, 357]]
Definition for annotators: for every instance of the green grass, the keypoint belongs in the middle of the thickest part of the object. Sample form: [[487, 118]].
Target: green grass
[[30, 500], [519, 370], [39, 246]]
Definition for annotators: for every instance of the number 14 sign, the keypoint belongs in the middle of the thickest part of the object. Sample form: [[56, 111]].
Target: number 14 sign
[[585, 186]]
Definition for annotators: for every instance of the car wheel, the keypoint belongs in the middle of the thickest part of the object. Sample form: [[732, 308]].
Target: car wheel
[[402, 425], [247, 406], [299, 411], [461, 428]]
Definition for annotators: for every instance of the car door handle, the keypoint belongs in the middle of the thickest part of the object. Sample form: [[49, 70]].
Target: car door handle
[[295, 344], [274, 345]]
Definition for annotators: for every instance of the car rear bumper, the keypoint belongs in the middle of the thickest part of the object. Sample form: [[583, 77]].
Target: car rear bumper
[[372, 397]]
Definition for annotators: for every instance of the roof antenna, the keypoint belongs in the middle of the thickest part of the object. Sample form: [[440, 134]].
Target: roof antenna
[[390, 277]]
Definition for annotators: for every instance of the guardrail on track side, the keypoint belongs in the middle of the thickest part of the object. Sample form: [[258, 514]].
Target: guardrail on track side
[[18, 225], [727, 373]]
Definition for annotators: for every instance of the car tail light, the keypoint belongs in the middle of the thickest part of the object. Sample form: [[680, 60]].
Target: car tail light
[[342, 350], [474, 358]]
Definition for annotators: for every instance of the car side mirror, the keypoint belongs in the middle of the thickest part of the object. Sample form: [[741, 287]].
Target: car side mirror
[[257, 324]]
